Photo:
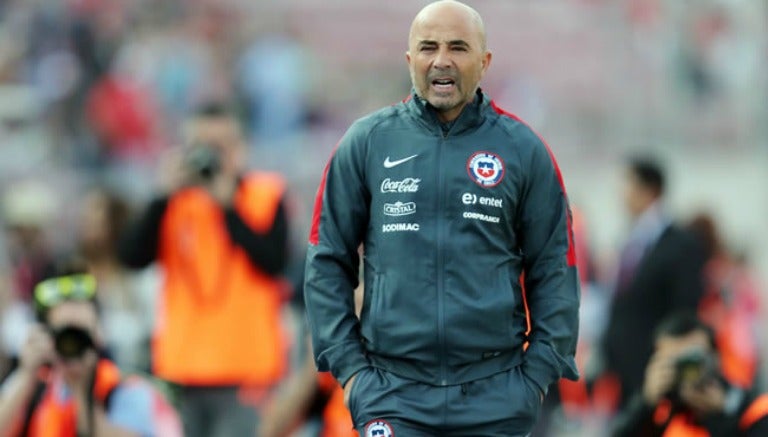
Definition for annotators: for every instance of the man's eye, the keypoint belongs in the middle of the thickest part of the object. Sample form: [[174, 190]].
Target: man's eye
[[427, 49], [459, 49]]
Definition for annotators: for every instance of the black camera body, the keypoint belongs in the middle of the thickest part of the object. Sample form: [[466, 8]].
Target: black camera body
[[203, 160], [694, 367], [72, 342]]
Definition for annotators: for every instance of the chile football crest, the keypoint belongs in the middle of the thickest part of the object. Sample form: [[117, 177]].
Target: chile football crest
[[378, 428], [485, 168]]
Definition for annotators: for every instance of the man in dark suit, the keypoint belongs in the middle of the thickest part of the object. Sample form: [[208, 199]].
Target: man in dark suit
[[660, 272]]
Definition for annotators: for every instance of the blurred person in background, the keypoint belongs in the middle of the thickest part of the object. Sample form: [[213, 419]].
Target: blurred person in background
[[685, 393], [273, 76], [220, 235], [27, 209], [660, 271], [571, 403], [126, 297], [453, 200], [309, 400], [291, 407], [26, 144], [64, 386], [5, 300], [731, 305]]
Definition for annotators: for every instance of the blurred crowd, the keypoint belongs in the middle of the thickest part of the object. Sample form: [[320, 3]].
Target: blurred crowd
[[95, 96]]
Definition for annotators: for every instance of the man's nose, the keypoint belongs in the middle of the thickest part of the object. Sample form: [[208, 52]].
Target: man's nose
[[442, 59]]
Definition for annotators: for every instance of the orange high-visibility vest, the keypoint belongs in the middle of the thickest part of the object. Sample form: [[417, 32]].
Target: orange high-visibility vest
[[219, 315], [757, 410], [337, 422], [55, 416], [730, 307], [682, 425]]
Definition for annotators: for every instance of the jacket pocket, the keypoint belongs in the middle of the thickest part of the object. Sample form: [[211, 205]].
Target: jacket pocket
[[374, 310], [512, 288], [530, 392], [354, 391]]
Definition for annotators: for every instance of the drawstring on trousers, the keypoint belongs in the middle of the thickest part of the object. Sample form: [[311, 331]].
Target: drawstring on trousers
[[464, 388]]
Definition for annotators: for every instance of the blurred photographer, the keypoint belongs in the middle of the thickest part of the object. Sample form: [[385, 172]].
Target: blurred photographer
[[64, 383], [219, 233], [684, 393]]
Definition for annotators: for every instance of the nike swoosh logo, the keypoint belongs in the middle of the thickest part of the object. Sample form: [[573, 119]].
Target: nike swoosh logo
[[390, 164]]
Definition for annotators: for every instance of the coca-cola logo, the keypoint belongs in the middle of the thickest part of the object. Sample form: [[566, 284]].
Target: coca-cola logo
[[407, 185]]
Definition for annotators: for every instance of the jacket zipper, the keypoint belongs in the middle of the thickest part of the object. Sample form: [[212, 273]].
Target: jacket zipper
[[441, 261]]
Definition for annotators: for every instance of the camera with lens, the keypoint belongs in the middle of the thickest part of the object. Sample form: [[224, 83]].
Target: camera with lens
[[72, 342], [694, 367], [203, 160]]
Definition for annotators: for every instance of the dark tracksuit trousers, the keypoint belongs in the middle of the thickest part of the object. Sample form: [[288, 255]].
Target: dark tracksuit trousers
[[385, 405]]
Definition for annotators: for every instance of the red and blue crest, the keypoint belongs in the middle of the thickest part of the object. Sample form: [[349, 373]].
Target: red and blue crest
[[378, 428], [485, 168]]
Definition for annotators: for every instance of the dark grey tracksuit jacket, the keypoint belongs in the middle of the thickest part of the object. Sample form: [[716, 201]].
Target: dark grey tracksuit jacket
[[449, 216]]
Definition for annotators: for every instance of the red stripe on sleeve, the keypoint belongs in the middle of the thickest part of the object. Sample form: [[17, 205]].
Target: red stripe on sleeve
[[571, 255], [314, 230]]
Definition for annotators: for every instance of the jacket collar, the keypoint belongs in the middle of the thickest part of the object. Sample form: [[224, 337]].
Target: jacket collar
[[470, 117]]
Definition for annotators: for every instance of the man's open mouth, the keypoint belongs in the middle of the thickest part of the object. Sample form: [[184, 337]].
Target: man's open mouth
[[443, 84]]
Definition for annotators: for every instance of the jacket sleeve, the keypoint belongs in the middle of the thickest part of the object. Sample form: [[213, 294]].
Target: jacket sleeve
[[269, 250], [551, 280], [636, 420], [339, 222], [137, 245], [686, 286]]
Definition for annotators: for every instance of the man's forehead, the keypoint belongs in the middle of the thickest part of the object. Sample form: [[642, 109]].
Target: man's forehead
[[439, 20], [444, 33]]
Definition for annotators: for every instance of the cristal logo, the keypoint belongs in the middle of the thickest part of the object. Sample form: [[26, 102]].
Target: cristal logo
[[399, 208], [407, 185]]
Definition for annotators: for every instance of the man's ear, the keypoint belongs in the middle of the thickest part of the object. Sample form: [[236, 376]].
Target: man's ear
[[487, 57]]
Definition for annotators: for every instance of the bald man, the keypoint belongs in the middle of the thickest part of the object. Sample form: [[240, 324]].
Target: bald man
[[455, 201]]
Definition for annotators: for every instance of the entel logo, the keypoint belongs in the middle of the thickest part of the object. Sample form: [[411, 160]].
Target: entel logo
[[472, 199]]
